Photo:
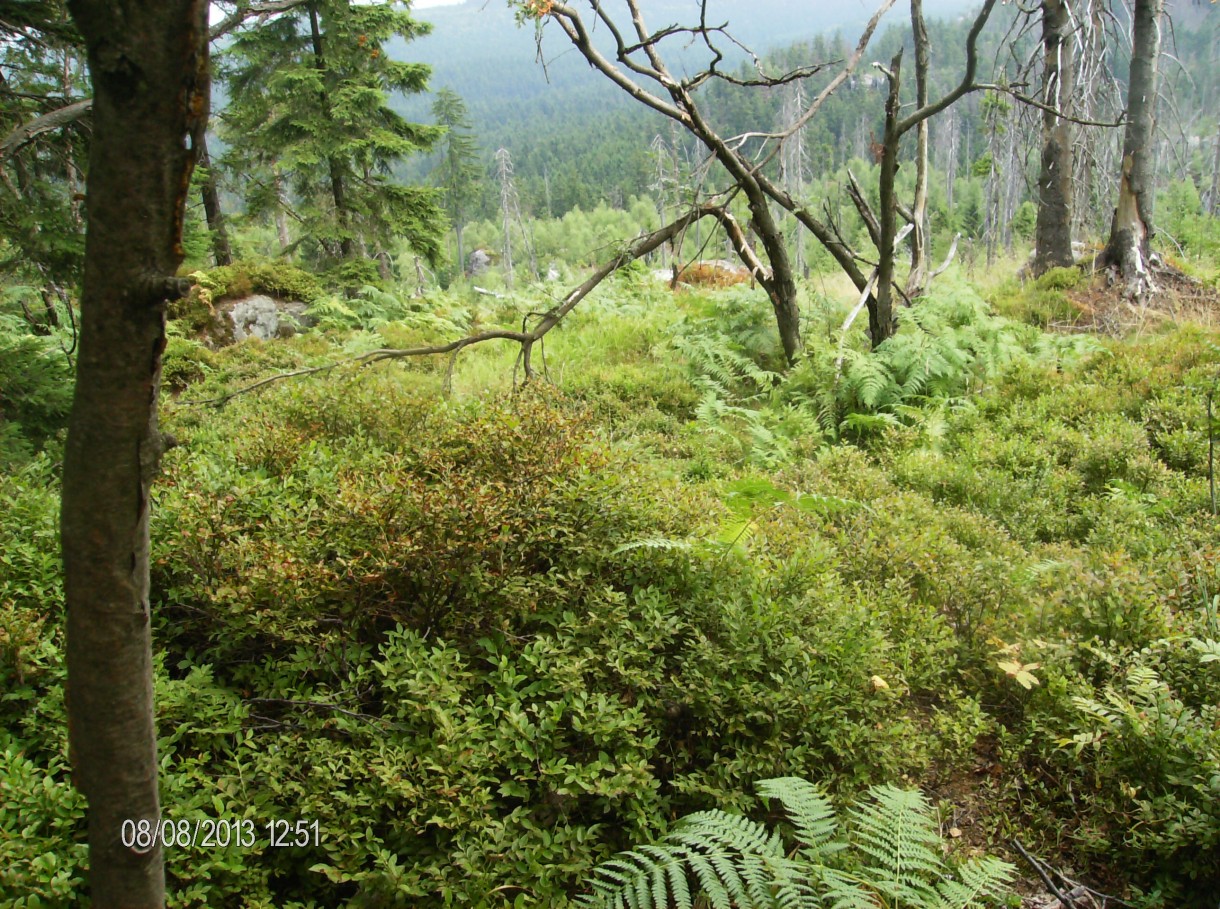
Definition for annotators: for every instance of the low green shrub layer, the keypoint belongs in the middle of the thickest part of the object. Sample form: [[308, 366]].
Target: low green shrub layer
[[486, 644]]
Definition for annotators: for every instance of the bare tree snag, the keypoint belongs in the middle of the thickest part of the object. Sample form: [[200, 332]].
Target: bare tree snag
[[281, 209], [637, 67], [148, 60], [1053, 232], [882, 323], [918, 276], [1213, 192], [1129, 248]]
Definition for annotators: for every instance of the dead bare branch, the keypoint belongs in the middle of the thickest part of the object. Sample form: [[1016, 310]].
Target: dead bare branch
[[1050, 109], [574, 27], [247, 11], [866, 211], [26, 133], [967, 84], [948, 258]]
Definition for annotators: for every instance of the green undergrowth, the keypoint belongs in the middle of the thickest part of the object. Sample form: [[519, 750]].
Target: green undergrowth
[[487, 641], [35, 380]]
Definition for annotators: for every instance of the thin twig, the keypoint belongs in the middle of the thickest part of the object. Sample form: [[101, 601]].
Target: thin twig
[[318, 704], [1063, 898]]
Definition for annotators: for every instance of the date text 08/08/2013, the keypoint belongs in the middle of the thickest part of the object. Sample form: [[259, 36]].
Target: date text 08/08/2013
[[213, 833]]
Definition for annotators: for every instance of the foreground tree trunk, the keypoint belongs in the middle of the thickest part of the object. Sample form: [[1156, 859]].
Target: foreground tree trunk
[[149, 64], [1053, 233], [1131, 231]]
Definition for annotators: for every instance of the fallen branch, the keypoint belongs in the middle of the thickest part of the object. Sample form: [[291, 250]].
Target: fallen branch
[[639, 247], [1064, 899]]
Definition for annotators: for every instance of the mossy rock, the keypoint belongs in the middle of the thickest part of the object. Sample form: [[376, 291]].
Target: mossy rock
[[274, 279]]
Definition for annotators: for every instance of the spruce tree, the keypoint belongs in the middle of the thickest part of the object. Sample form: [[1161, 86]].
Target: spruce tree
[[309, 93], [458, 172]]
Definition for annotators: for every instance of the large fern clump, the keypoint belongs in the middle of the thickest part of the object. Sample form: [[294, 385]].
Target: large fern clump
[[954, 346], [889, 856]]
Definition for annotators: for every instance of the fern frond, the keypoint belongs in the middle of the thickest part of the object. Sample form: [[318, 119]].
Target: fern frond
[[871, 382], [978, 880], [896, 832], [809, 810], [640, 880], [678, 885], [709, 882], [817, 503], [731, 830], [868, 423], [740, 864], [844, 891]]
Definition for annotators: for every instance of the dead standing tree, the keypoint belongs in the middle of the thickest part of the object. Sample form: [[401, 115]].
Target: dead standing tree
[[883, 225], [635, 64], [1129, 248], [1053, 234]]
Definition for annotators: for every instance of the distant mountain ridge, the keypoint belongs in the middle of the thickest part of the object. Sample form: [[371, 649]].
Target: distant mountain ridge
[[477, 49], [545, 114]]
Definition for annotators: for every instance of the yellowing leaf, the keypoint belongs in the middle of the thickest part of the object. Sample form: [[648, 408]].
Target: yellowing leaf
[[1022, 672]]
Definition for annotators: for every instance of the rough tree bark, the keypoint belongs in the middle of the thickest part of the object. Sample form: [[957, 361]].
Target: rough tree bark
[[148, 60], [1131, 231], [1053, 232]]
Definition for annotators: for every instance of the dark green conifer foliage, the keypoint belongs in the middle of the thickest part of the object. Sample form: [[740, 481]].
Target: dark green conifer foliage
[[458, 173], [310, 91], [41, 73]]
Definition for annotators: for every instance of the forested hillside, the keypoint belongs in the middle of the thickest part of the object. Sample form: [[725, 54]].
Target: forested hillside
[[571, 134], [691, 481]]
